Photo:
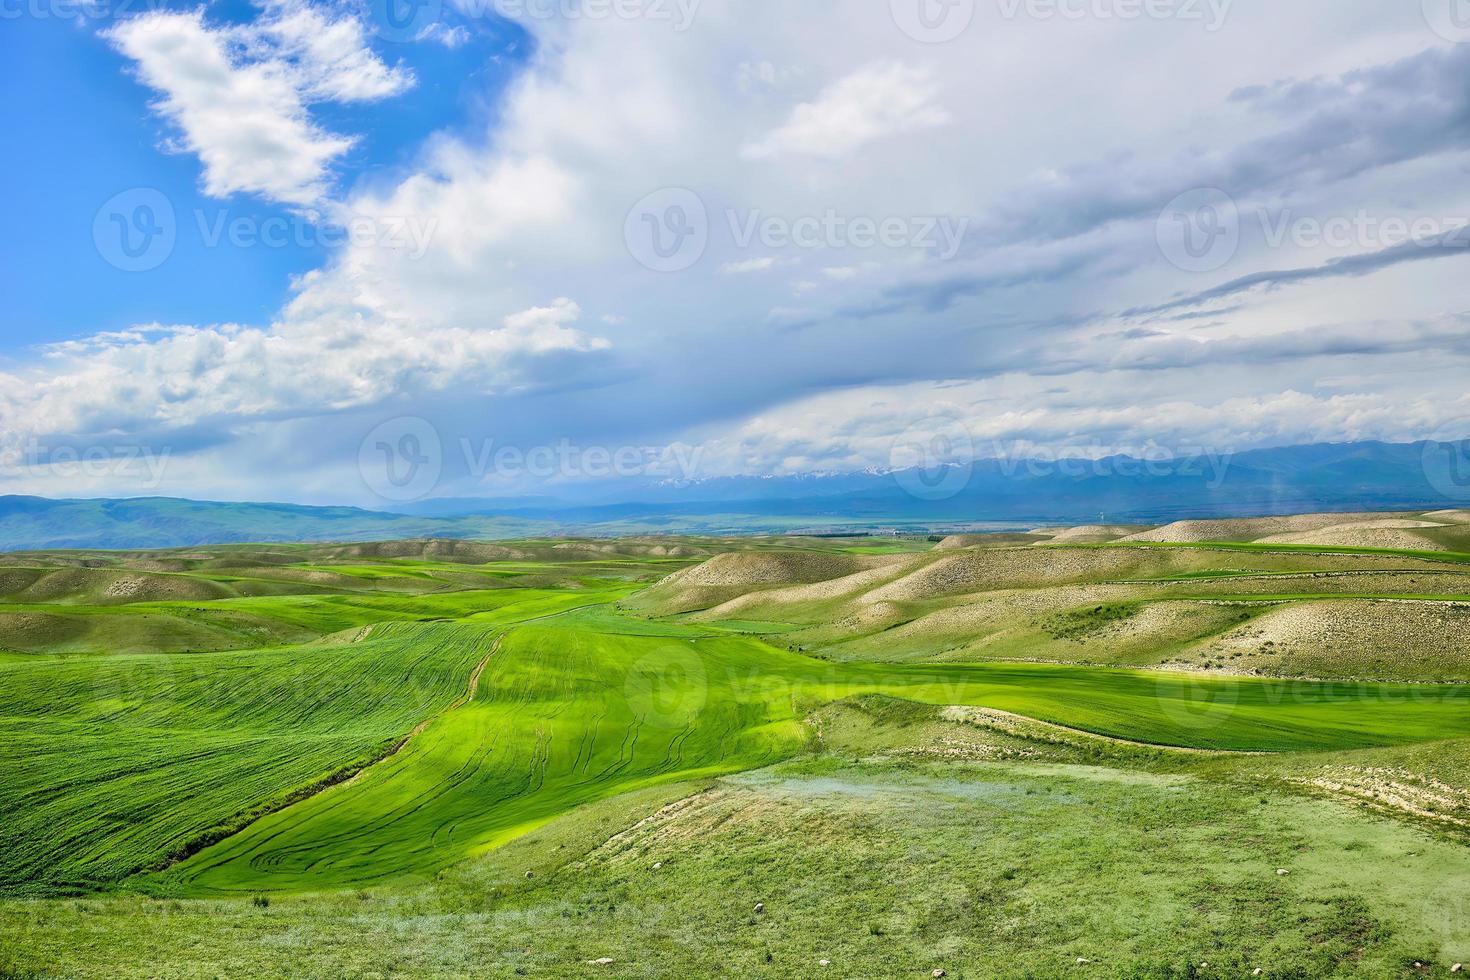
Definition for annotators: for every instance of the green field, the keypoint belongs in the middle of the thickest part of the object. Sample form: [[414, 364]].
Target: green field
[[414, 735]]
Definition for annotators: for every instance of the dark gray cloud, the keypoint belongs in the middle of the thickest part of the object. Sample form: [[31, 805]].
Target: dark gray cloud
[[1452, 244], [1314, 132]]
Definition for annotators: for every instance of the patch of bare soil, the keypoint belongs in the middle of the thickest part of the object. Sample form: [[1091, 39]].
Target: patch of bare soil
[[1394, 791]]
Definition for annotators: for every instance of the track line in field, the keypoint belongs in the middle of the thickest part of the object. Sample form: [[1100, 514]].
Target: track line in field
[[468, 696], [332, 781]]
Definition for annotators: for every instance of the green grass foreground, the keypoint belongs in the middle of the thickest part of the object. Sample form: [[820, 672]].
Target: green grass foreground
[[884, 868]]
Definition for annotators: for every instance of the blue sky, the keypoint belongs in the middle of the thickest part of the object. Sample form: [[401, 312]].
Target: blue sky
[[717, 238], [84, 132]]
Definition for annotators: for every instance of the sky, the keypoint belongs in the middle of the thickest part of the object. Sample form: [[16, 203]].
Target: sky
[[324, 252]]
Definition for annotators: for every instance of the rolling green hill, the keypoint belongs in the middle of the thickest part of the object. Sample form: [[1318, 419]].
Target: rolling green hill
[[557, 733]]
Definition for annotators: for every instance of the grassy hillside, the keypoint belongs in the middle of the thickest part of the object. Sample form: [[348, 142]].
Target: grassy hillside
[[563, 716], [118, 765], [440, 758], [1272, 609]]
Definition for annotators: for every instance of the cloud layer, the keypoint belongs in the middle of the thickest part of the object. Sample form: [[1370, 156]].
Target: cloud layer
[[869, 234]]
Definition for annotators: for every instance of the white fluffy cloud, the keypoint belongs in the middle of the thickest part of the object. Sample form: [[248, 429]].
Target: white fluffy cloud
[[160, 379], [876, 101], [239, 96]]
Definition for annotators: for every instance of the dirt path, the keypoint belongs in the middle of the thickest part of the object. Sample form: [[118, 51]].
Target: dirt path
[[1023, 726]]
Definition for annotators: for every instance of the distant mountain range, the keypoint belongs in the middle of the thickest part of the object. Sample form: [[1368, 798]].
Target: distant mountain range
[[1001, 493]]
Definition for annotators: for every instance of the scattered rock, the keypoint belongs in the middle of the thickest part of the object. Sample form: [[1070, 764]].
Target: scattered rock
[[760, 907], [657, 865], [1282, 871], [601, 961], [530, 874], [1083, 961], [1457, 967], [937, 974], [824, 962], [1257, 972]]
